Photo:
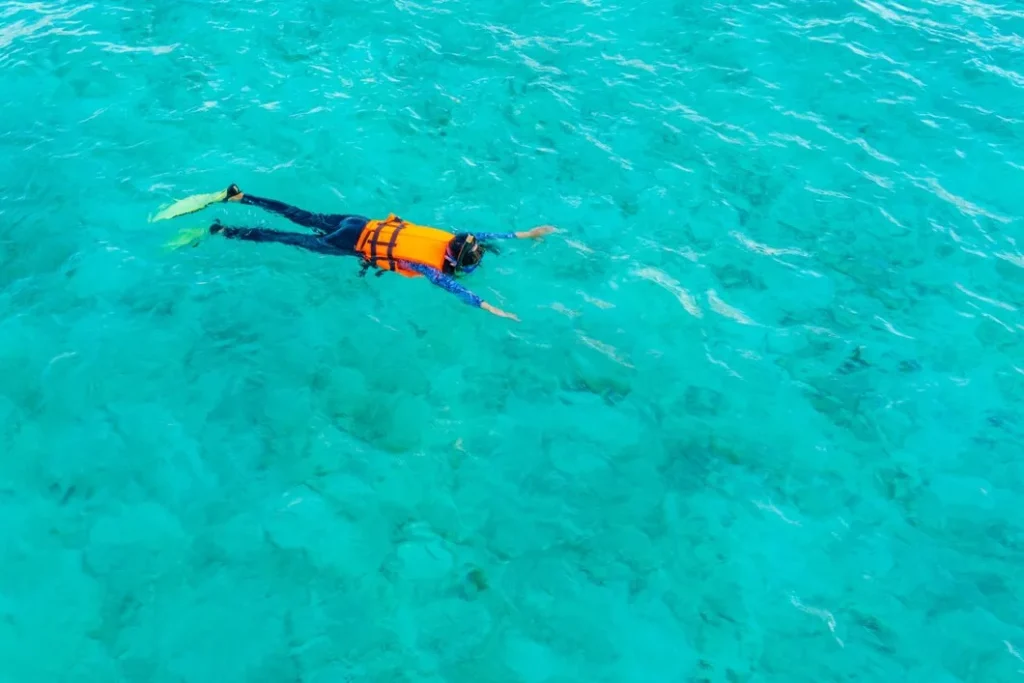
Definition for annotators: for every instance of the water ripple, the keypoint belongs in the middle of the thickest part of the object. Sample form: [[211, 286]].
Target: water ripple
[[826, 193]]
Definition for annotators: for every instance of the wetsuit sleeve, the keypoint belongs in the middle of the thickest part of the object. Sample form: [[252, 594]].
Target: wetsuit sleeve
[[483, 236], [446, 282]]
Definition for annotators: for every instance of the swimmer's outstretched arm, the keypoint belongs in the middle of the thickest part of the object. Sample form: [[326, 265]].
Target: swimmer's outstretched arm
[[498, 312], [539, 231], [534, 233], [449, 284]]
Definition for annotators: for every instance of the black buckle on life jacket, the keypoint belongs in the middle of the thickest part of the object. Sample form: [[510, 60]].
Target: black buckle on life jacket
[[366, 265]]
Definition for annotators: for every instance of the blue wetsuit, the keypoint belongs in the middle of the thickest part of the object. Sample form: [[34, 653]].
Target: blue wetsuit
[[337, 235]]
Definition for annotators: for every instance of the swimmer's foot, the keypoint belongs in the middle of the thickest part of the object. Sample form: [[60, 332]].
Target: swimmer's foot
[[233, 194]]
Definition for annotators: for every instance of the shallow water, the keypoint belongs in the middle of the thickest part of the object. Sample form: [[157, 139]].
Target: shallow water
[[761, 420]]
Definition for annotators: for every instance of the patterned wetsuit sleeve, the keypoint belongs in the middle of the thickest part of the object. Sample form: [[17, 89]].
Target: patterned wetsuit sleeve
[[446, 282], [483, 236]]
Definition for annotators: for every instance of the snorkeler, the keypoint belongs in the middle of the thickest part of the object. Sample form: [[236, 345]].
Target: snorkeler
[[391, 244]]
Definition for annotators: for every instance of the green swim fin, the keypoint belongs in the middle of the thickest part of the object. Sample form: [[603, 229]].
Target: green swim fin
[[189, 237], [196, 202]]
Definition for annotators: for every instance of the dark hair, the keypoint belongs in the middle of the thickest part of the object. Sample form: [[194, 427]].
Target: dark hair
[[464, 251]]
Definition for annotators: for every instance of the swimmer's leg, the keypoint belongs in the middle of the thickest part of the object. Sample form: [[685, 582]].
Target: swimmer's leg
[[295, 239], [321, 222]]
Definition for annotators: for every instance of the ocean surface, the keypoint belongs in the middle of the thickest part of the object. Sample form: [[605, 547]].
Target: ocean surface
[[762, 418]]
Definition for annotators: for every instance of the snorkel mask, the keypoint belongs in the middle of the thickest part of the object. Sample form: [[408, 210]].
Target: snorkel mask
[[464, 254]]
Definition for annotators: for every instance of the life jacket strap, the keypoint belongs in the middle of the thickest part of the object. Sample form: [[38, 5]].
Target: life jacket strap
[[373, 260], [399, 227]]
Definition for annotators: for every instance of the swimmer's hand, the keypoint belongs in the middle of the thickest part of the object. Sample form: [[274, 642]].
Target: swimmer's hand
[[539, 231], [498, 312]]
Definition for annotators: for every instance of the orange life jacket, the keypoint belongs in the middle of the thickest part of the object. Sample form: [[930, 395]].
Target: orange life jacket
[[384, 243]]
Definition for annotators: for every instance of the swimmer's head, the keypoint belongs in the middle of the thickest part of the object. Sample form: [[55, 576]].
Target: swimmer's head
[[464, 253]]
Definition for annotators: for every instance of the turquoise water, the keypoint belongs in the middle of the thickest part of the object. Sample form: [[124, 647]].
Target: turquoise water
[[761, 420]]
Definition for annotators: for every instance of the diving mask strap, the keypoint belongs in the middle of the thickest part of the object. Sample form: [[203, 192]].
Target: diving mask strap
[[465, 243]]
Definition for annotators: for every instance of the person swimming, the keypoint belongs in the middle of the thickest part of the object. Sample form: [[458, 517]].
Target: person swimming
[[387, 245]]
